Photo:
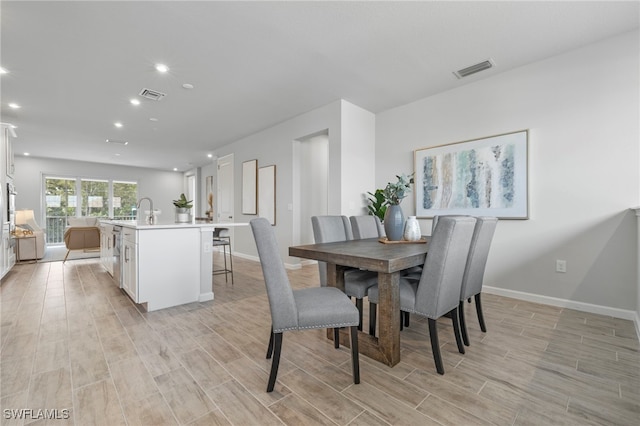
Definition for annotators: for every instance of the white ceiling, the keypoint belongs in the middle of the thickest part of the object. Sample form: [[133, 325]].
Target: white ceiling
[[75, 65]]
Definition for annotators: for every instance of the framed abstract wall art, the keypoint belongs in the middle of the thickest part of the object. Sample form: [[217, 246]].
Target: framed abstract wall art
[[479, 177]]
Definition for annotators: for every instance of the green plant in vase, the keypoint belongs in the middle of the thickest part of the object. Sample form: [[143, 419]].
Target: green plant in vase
[[393, 194], [183, 209]]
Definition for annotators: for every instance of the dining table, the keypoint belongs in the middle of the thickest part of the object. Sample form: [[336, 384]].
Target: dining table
[[388, 259]]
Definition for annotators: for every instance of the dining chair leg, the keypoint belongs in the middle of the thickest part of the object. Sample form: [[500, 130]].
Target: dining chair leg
[[372, 318], [270, 347], [456, 329], [401, 320], [435, 345], [463, 324], [359, 304], [407, 315], [355, 361], [483, 327], [277, 338], [336, 338]]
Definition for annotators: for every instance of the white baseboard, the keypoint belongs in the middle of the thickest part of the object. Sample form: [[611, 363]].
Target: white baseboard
[[571, 304], [291, 266], [204, 297], [563, 303]]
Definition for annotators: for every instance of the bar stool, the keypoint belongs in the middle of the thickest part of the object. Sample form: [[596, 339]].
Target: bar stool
[[222, 238]]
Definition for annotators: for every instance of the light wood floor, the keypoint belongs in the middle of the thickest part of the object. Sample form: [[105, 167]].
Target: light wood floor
[[72, 340]]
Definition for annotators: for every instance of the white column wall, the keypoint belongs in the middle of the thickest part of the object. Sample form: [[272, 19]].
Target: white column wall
[[351, 132], [359, 155]]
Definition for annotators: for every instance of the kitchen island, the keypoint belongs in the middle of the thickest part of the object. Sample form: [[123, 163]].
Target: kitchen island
[[166, 264]]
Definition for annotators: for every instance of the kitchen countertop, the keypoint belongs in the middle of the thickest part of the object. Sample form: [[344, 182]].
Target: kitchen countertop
[[166, 224]]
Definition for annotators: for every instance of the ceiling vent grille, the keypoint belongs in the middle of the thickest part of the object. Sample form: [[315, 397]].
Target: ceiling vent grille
[[152, 94], [117, 142], [465, 72]]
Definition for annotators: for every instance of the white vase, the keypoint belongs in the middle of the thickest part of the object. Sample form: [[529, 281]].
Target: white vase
[[183, 215], [412, 229]]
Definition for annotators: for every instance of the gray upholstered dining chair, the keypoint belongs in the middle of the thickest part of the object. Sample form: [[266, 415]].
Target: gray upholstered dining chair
[[474, 270], [307, 308], [438, 292], [328, 229], [366, 226]]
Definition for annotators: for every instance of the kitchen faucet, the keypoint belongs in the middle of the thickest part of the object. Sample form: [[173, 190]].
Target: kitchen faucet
[[151, 216]]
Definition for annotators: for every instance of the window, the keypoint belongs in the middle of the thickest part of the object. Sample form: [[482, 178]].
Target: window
[[95, 196], [124, 199], [101, 198], [60, 202]]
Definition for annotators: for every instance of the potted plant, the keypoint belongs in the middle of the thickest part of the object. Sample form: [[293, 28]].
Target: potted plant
[[393, 194], [183, 209]]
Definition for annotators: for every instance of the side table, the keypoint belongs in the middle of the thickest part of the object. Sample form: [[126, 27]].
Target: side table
[[22, 239]]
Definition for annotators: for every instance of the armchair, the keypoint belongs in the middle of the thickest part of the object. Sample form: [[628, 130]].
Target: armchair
[[82, 234]]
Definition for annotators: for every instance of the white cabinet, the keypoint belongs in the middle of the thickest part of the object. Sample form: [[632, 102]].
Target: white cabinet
[[8, 254], [129, 253], [8, 151], [106, 247]]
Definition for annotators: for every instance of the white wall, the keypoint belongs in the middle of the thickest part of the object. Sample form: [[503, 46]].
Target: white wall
[[161, 186], [358, 146], [582, 108]]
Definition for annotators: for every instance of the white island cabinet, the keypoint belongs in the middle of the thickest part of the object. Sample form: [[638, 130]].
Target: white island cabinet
[[166, 265], [106, 247]]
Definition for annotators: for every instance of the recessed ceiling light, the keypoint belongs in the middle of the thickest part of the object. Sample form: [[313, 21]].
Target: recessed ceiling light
[[210, 155], [153, 119], [14, 106], [117, 124], [3, 71], [175, 169], [162, 68], [27, 154], [187, 86], [134, 101]]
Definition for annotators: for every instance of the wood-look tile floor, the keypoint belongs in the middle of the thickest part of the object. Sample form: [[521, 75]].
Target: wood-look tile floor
[[73, 341]]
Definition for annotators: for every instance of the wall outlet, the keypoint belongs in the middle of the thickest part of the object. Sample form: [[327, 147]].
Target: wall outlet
[[561, 266]]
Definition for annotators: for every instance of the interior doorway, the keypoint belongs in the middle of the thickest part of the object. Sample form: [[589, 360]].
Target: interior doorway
[[224, 190], [311, 183]]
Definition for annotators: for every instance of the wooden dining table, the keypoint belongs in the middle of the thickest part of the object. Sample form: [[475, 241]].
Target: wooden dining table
[[388, 260]]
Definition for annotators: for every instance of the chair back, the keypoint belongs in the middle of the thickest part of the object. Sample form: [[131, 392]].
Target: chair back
[[366, 226], [328, 229], [284, 314], [441, 280], [478, 254]]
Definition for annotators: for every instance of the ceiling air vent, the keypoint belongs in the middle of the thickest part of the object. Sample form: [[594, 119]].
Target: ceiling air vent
[[465, 72], [117, 142], [151, 94]]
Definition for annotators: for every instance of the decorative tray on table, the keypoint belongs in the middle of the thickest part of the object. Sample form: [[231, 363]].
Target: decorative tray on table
[[384, 240]]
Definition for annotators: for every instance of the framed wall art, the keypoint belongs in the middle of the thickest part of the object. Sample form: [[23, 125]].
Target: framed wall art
[[267, 193], [250, 187], [479, 177]]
